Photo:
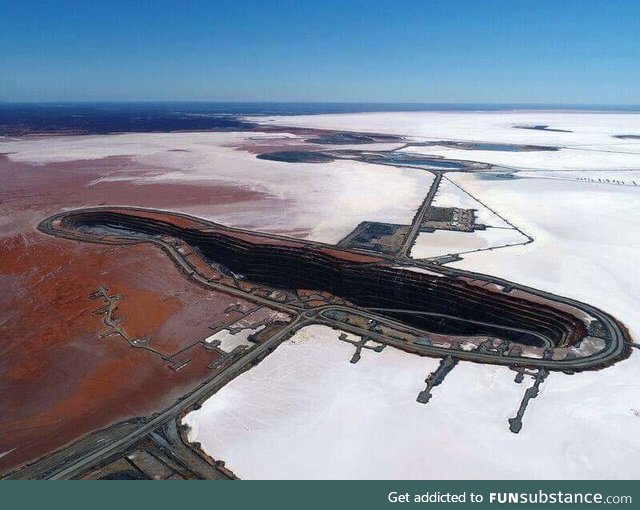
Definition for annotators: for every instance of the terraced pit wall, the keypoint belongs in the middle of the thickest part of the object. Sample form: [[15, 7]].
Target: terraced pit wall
[[438, 304]]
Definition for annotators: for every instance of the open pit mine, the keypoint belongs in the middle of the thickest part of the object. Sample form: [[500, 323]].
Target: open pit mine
[[439, 311]]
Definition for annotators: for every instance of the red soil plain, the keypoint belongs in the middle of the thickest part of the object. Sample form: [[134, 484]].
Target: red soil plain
[[60, 379]]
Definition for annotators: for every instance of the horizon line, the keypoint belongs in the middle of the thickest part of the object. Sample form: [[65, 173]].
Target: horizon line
[[408, 103]]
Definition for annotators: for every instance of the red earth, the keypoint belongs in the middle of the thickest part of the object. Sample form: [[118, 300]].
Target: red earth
[[60, 379]]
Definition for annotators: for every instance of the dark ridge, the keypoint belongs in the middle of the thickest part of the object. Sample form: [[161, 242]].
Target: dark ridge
[[21, 120], [496, 147], [439, 304], [297, 157], [543, 127], [627, 137]]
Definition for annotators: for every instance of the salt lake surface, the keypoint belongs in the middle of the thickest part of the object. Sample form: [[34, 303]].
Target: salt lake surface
[[305, 411], [326, 418]]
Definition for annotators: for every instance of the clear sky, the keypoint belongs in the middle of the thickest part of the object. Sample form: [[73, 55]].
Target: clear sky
[[528, 51]]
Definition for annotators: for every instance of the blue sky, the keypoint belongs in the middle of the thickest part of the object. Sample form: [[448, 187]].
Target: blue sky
[[526, 51]]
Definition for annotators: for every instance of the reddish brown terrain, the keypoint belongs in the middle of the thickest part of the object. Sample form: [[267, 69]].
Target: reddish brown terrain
[[61, 380]]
